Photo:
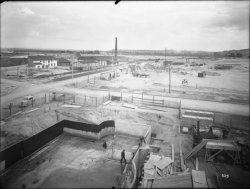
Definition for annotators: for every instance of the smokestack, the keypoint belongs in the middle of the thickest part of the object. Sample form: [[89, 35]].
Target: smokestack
[[116, 50]]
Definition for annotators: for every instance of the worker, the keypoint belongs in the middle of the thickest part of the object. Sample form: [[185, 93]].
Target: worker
[[104, 145], [142, 139], [210, 131], [123, 156]]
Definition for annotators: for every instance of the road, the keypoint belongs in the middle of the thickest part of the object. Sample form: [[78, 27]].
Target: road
[[38, 90]]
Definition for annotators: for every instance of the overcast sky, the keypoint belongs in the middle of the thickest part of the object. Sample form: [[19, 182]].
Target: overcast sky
[[187, 25]]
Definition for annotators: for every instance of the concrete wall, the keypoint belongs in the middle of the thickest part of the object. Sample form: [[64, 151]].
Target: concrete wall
[[126, 128], [16, 152]]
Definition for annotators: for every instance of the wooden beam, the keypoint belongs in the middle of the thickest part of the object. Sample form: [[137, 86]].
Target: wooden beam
[[199, 179], [210, 158], [183, 166], [196, 164], [173, 152]]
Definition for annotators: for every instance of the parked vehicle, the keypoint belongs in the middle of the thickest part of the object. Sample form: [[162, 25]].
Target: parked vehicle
[[27, 101]]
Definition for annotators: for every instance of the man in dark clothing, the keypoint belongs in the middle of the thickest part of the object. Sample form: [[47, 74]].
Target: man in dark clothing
[[104, 145], [123, 156]]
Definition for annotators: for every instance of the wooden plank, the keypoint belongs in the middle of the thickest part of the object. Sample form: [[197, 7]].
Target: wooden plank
[[129, 106], [197, 117], [106, 103], [173, 181], [196, 164], [163, 163], [70, 106], [183, 166], [224, 145], [157, 139], [199, 179]]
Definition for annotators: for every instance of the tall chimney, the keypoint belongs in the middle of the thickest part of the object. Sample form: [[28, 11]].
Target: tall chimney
[[116, 50]]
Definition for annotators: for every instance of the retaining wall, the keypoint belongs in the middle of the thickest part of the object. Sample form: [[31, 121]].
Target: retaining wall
[[16, 152]]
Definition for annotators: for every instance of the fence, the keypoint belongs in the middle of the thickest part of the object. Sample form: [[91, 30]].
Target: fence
[[15, 108], [145, 99]]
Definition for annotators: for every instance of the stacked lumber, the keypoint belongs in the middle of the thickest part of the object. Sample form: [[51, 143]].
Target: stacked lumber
[[199, 179], [174, 181], [158, 166]]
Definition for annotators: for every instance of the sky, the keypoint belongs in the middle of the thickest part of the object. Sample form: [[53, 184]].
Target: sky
[[185, 25]]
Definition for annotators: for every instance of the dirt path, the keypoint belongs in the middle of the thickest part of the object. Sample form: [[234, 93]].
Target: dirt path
[[38, 90]]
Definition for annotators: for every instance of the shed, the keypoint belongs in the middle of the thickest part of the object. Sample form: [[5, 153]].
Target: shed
[[202, 74]]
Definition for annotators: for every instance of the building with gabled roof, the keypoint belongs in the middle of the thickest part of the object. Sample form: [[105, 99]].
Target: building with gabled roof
[[63, 62], [42, 61]]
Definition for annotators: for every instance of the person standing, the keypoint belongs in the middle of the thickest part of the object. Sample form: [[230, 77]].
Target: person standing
[[123, 156]]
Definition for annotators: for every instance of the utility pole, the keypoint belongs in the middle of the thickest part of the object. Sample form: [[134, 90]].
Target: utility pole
[[169, 69], [72, 71], [165, 53], [116, 50]]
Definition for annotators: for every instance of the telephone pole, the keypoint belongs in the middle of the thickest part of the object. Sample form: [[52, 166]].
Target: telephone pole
[[116, 50], [169, 69], [72, 72]]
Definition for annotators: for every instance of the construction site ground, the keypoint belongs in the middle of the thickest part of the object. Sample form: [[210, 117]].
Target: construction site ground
[[236, 173], [232, 88], [67, 161], [228, 99]]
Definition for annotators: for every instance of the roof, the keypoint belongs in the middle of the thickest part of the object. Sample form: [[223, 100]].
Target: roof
[[94, 57], [63, 60], [41, 57]]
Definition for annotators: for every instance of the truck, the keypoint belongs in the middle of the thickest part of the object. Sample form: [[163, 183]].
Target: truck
[[27, 101]]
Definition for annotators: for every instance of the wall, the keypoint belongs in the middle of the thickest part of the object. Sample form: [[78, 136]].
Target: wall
[[14, 153], [138, 160], [132, 129]]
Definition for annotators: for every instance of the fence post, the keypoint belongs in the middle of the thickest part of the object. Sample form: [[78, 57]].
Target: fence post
[[10, 107]]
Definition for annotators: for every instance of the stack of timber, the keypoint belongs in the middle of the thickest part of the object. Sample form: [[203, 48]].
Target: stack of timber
[[174, 181], [158, 166]]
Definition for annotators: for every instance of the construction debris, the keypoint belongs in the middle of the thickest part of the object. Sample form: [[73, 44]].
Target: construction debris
[[158, 166]]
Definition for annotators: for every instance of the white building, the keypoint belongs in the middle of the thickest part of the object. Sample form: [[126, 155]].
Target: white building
[[42, 61]]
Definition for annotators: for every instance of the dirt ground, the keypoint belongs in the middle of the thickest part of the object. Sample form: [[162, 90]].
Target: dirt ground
[[233, 88], [68, 161]]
